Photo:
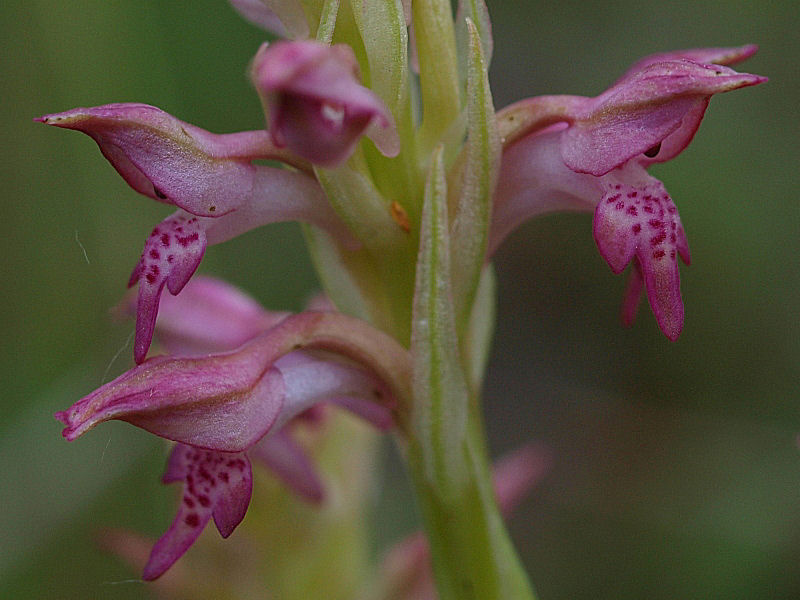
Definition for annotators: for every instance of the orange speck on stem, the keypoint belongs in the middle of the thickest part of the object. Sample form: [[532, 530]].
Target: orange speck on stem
[[400, 216]]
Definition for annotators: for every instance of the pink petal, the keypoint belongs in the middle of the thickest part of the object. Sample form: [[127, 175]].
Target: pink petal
[[534, 181], [222, 402], [227, 402], [313, 377], [378, 415], [209, 316], [706, 56], [516, 473], [287, 460]]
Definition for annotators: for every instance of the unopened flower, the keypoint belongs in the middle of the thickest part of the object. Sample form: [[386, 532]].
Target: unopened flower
[[316, 105], [575, 153]]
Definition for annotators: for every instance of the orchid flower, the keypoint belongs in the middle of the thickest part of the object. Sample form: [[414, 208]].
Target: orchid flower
[[408, 186], [212, 180], [221, 407], [575, 153], [211, 316]]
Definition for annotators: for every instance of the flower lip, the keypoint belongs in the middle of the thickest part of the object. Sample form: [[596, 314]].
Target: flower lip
[[216, 484], [209, 316]]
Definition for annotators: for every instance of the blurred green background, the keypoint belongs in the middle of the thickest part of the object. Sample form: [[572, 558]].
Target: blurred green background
[[676, 472]]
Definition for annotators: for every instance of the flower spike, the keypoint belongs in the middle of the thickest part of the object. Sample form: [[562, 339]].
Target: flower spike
[[315, 104]]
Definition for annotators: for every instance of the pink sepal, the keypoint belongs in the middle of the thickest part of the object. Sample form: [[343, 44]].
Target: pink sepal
[[169, 160], [287, 460], [646, 108]]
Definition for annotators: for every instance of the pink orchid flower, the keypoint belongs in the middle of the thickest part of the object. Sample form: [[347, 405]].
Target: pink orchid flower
[[212, 180], [576, 153], [223, 408]]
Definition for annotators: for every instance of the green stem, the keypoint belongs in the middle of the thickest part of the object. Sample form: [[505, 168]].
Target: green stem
[[473, 556]]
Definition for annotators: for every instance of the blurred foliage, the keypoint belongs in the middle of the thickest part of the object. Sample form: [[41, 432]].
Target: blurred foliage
[[676, 473]]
